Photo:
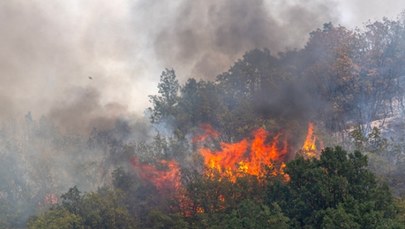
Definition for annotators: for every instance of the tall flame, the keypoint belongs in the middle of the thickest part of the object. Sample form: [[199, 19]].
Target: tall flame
[[253, 157], [309, 149]]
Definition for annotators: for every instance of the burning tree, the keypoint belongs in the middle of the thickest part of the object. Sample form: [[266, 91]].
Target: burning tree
[[226, 148]]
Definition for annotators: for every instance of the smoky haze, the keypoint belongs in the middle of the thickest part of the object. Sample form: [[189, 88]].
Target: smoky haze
[[202, 37], [49, 49], [75, 75]]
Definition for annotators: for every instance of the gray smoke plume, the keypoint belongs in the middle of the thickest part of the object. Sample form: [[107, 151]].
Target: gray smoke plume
[[49, 47], [82, 112], [205, 37]]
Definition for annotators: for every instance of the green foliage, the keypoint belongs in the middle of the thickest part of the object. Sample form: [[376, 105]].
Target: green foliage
[[336, 191], [214, 195], [104, 209], [164, 103], [249, 214], [58, 218], [71, 200], [338, 218], [160, 220], [400, 204]]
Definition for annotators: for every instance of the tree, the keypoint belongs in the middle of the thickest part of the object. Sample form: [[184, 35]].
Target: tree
[[252, 215], [102, 209], [164, 103], [336, 190], [338, 218], [72, 200], [58, 218]]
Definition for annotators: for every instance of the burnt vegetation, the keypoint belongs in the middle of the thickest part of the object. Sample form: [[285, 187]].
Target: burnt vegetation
[[348, 82]]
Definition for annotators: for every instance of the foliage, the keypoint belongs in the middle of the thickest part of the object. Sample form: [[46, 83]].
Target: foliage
[[168, 95], [252, 215], [104, 209], [54, 219], [336, 191]]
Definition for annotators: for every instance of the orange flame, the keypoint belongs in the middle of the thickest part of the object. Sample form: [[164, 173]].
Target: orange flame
[[309, 149], [254, 156], [246, 157], [206, 131], [167, 178]]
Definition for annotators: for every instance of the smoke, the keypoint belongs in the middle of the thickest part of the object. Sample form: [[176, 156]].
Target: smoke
[[355, 13], [202, 38], [49, 47], [83, 111], [87, 66], [290, 101]]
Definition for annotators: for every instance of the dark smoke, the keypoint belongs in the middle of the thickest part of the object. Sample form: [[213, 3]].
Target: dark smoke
[[289, 101], [46, 48], [83, 111], [204, 37]]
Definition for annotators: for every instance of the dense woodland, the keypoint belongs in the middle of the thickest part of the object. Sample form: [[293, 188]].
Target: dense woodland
[[348, 82]]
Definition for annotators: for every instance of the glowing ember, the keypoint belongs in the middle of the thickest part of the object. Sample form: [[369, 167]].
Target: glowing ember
[[253, 157]]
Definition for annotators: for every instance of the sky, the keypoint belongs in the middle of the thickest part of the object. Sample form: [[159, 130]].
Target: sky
[[89, 60]]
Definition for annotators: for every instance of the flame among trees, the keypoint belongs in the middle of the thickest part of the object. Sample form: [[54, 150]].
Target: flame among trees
[[257, 156], [341, 76]]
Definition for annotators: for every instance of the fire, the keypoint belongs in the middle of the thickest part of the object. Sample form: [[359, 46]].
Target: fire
[[256, 156], [206, 132], [167, 178], [309, 149], [253, 157]]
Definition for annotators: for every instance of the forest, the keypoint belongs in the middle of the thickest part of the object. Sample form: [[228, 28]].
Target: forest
[[305, 138]]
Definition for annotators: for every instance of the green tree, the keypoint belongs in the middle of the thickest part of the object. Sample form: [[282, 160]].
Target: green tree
[[58, 218], [338, 218], [336, 190], [164, 104], [252, 215], [72, 200], [102, 209]]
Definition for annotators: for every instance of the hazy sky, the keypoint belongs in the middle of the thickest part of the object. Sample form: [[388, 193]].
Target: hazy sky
[[49, 48]]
